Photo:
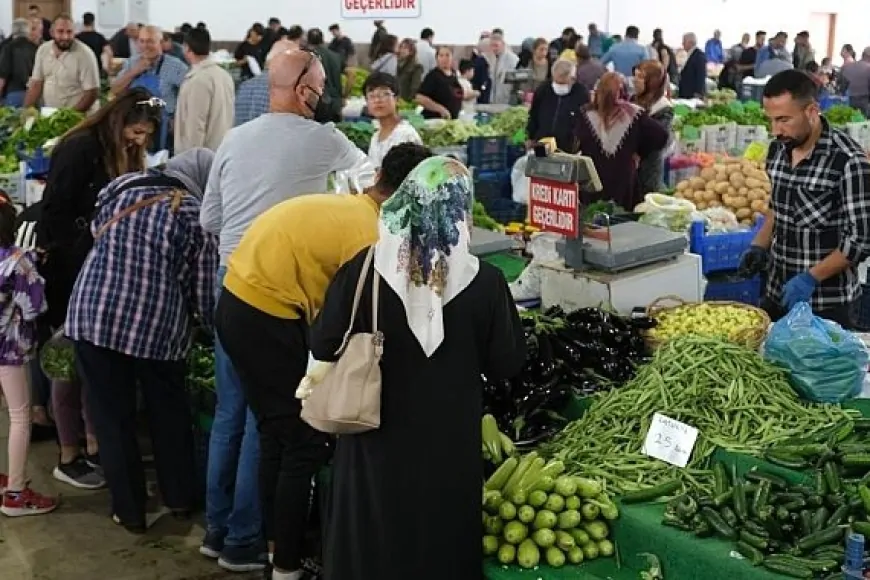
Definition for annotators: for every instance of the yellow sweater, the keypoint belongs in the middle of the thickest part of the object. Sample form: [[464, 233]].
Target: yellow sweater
[[290, 253]]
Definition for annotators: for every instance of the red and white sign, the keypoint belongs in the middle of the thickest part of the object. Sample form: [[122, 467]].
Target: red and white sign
[[380, 9], [554, 206]]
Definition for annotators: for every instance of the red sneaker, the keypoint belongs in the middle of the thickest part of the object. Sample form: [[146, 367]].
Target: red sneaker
[[26, 503]]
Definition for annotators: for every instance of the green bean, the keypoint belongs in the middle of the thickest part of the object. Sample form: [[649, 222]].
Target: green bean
[[735, 399]]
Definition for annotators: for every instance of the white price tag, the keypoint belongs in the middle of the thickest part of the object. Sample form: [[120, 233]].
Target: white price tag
[[670, 440]]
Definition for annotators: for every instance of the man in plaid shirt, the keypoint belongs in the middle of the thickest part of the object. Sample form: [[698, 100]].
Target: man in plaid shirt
[[818, 228]]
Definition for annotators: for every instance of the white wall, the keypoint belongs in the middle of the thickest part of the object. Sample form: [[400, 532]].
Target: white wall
[[454, 21]]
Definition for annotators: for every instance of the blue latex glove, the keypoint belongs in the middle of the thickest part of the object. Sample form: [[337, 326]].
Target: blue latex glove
[[798, 289]]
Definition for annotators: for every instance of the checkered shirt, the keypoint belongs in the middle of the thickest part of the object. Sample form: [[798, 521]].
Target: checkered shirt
[[147, 276], [252, 99], [820, 206]]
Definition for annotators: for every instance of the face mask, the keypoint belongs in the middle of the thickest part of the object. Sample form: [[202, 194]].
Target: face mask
[[320, 109], [561, 90]]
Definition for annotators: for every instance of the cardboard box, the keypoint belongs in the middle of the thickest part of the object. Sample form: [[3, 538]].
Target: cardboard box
[[860, 132], [720, 138], [749, 134]]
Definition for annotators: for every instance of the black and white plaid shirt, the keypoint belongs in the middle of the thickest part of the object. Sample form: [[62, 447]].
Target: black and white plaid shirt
[[820, 206]]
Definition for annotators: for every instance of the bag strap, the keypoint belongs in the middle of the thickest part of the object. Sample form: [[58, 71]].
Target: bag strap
[[356, 298], [175, 194]]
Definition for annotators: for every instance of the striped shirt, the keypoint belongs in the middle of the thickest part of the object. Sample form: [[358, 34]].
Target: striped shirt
[[252, 99], [148, 275]]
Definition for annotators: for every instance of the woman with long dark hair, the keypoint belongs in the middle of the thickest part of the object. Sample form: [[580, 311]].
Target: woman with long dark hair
[[650, 85], [617, 135], [101, 148], [409, 73], [386, 60]]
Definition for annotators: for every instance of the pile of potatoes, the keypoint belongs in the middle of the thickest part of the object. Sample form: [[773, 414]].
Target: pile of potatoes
[[739, 185]]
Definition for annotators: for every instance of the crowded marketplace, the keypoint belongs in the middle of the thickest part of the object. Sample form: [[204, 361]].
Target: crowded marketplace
[[654, 241]]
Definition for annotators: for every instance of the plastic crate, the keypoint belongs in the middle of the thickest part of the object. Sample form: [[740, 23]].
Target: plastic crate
[[733, 288], [514, 152], [487, 153], [14, 185], [720, 252], [491, 187], [505, 211], [828, 101], [37, 165]]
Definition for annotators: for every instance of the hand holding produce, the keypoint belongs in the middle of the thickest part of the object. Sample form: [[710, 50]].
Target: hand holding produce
[[727, 321], [533, 513], [798, 289], [754, 262]]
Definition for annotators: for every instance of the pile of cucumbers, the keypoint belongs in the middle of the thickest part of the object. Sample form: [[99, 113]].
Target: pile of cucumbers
[[796, 530], [533, 514]]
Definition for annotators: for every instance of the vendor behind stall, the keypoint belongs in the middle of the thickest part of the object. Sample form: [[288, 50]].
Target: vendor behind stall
[[440, 95], [556, 106], [818, 227]]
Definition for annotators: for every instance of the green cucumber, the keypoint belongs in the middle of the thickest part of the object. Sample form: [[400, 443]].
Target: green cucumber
[[757, 542], [787, 569], [786, 460], [751, 553], [652, 493], [829, 535], [719, 525]]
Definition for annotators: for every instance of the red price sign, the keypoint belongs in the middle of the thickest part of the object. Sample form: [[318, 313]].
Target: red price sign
[[554, 206]]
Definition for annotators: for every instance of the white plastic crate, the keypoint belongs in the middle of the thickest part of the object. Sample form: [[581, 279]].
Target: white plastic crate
[[15, 184]]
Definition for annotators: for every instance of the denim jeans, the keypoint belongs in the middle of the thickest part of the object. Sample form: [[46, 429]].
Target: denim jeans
[[232, 486], [15, 99]]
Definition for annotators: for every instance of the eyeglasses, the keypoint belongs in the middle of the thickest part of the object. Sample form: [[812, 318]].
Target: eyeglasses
[[380, 95], [315, 57]]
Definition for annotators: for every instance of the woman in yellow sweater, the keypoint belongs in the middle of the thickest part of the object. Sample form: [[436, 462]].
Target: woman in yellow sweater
[[275, 285]]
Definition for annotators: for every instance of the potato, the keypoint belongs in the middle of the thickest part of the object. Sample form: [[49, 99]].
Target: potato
[[759, 205], [739, 202], [743, 213], [731, 190], [710, 196], [754, 194], [719, 167], [722, 186], [679, 195], [714, 203], [698, 183], [752, 183], [742, 191], [701, 205], [708, 173], [683, 185], [765, 187], [711, 185], [737, 179], [746, 222]]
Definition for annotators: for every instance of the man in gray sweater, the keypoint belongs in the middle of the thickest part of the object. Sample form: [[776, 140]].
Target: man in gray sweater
[[274, 157]]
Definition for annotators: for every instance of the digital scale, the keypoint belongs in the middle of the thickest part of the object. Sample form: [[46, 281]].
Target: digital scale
[[613, 247], [517, 78]]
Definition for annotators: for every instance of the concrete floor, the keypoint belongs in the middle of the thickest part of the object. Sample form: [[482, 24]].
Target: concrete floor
[[79, 541]]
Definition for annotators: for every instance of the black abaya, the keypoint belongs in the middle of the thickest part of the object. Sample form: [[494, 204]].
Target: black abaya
[[406, 498]]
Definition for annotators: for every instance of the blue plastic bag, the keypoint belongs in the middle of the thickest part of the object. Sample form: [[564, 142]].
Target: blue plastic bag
[[827, 364]]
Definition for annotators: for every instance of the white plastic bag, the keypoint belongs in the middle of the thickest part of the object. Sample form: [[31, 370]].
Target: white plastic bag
[[354, 180], [667, 212], [519, 181]]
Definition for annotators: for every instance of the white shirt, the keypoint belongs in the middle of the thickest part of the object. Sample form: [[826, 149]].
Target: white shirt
[[403, 133], [426, 56], [469, 103]]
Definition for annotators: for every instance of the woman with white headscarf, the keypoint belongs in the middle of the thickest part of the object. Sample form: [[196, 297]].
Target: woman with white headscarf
[[150, 274], [411, 488]]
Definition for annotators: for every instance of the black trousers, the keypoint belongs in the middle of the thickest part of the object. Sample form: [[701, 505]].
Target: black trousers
[[270, 355], [845, 315], [111, 378]]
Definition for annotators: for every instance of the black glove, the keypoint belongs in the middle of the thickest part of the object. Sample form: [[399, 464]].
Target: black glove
[[754, 261]]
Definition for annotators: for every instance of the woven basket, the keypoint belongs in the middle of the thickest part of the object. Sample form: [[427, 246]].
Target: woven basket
[[750, 338]]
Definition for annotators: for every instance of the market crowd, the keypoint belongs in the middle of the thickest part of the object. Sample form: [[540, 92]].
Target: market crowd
[[240, 236]]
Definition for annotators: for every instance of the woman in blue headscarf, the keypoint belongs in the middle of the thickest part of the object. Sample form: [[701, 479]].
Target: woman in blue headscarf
[[447, 318]]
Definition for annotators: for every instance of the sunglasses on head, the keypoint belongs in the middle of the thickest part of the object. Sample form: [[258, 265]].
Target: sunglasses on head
[[153, 102]]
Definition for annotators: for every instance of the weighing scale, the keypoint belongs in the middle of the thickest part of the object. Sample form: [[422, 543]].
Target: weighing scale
[[613, 247], [517, 78]]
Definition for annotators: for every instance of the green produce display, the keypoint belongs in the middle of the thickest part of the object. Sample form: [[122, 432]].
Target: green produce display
[[794, 529], [455, 132], [359, 79], [733, 397], [534, 514], [839, 115], [512, 123], [360, 133], [723, 113], [496, 446], [482, 219], [13, 133]]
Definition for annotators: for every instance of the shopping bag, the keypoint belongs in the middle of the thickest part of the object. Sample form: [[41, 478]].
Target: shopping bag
[[826, 363], [57, 358], [519, 181]]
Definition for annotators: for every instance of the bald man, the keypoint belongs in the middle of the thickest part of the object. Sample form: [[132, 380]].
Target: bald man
[[252, 96], [276, 156]]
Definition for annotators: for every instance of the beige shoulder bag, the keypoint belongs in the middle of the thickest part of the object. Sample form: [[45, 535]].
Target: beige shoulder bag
[[348, 399]]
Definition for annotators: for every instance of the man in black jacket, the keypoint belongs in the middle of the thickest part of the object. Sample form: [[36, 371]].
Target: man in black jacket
[[556, 105], [693, 77]]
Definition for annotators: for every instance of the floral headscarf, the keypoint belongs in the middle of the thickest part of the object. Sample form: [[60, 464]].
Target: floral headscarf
[[423, 251]]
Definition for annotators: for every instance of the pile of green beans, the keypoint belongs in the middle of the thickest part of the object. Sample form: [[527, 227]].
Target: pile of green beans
[[735, 399]]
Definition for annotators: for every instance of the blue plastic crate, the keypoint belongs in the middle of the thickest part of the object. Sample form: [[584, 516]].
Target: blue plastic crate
[[735, 289], [720, 252], [37, 164], [514, 152], [490, 187], [487, 153], [828, 101]]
